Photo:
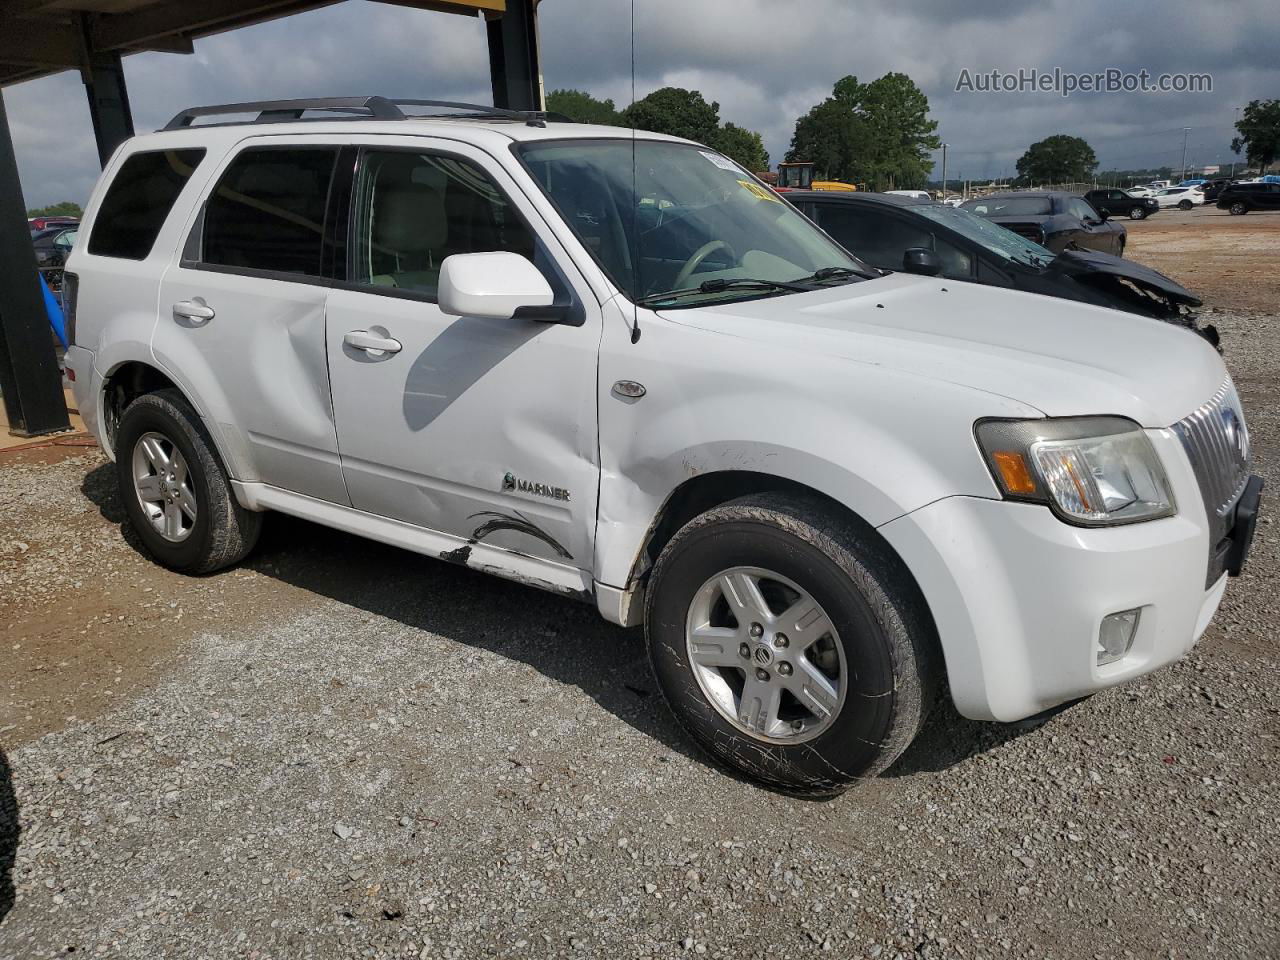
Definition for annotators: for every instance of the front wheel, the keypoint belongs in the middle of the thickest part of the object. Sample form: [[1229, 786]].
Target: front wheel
[[790, 643], [1184, 204], [1137, 213], [175, 490], [1238, 209]]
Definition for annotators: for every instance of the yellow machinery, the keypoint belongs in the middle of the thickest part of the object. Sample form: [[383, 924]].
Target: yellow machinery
[[799, 176]]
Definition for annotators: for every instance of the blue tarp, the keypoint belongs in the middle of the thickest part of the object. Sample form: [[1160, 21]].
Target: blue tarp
[[55, 313]]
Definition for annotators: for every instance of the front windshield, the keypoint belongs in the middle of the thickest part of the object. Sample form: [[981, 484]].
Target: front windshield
[[1010, 207], [997, 239], [689, 216]]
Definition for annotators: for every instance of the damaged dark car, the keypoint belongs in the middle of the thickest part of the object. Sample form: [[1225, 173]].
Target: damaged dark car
[[893, 232]]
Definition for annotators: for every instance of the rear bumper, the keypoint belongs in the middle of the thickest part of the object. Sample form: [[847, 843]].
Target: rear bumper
[[1019, 597], [87, 389]]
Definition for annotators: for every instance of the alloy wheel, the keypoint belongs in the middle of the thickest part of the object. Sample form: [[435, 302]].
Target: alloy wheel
[[162, 483], [766, 655]]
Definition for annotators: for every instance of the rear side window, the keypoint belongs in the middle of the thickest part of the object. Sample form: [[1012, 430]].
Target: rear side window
[[138, 201], [267, 211]]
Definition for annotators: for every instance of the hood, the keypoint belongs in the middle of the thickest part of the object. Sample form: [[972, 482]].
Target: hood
[[1090, 267], [1061, 357]]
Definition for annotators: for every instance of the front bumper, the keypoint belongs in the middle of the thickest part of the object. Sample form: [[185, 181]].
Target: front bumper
[[1018, 596]]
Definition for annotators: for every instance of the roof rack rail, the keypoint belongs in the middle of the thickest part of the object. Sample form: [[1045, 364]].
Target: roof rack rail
[[354, 108], [273, 111]]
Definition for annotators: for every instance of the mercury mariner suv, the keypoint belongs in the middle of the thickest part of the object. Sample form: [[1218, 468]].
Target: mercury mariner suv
[[617, 366]]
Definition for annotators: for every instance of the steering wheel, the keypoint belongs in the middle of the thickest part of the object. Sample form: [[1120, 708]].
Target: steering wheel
[[694, 262]]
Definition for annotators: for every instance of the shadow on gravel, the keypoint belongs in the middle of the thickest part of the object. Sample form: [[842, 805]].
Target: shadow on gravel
[[948, 738], [9, 831], [562, 639]]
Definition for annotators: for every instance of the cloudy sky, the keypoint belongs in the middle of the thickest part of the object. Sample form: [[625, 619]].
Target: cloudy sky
[[765, 67]]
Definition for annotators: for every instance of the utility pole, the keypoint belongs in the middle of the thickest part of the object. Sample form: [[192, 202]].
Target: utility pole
[[944, 172], [1185, 131]]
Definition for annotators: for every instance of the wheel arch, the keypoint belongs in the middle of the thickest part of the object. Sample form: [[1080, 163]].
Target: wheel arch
[[704, 492]]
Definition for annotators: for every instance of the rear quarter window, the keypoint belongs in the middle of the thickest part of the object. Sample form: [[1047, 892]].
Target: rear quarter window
[[139, 200]]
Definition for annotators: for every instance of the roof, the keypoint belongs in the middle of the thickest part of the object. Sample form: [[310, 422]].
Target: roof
[[495, 134], [40, 37], [862, 196], [1009, 194]]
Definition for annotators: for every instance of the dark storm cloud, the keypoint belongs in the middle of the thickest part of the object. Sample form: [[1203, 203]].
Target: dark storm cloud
[[765, 62]]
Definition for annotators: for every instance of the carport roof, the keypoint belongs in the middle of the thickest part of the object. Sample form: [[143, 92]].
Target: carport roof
[[40, 37]]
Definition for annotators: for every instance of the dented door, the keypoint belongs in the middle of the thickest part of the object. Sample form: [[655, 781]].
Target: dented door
[[484, 429]]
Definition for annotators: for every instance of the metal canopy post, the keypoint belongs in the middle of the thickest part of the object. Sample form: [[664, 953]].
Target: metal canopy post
[[108, 103], [513, 57], [29, 375]]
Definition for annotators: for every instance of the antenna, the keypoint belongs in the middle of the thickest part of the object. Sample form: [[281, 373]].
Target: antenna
[[635, 194]]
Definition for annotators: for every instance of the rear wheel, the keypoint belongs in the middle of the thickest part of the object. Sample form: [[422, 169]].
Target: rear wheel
[[175, 490], [1137, 213], [790, 643], [1238, 209]]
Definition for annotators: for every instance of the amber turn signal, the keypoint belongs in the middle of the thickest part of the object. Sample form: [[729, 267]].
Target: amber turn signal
[[1014, 473]]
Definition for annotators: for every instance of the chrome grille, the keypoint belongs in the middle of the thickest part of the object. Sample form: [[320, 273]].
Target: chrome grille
[[1217, 444]]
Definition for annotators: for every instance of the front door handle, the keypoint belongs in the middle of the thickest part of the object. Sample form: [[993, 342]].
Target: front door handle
[[371, 343], [195, 310]]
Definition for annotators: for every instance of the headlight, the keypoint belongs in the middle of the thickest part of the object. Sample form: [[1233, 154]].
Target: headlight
[[1094, 471]]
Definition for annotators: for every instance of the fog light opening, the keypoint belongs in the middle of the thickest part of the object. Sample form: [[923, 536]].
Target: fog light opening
[[1115, 635]]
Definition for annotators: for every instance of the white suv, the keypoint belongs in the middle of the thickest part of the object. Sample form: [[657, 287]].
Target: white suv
[[619, 367]]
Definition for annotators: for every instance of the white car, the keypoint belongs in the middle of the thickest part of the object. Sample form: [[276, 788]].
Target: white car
[[915, 194], [953, 201], [824, 490], [1184, 198], [1140, 191]]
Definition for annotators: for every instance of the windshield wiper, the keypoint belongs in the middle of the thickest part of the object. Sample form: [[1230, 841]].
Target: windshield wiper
[[837, 273], [720, 285]]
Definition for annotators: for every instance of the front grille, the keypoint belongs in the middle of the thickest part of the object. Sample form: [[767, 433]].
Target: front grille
[[1217, 444]]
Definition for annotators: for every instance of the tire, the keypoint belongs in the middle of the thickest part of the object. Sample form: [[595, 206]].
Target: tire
[[199, 526], [1185, 204], [882, 650], [1120, 248], [1238, 209], [1138, 213]]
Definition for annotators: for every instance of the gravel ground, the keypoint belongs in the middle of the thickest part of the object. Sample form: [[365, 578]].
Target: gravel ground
[[341, 749]]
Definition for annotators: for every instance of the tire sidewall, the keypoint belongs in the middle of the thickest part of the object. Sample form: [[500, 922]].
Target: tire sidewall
[[1137, 213], [1185, 205], [851, 745], [152, 414], [1238, 209]]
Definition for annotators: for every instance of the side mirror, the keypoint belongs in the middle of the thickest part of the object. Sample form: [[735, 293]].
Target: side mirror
[[492, 285], [921, 260]]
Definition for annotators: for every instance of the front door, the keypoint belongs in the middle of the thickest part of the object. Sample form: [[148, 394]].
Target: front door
[[483, 429]]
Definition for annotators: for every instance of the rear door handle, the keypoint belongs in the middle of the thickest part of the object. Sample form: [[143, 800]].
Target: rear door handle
[[195, 310], [370, 343]]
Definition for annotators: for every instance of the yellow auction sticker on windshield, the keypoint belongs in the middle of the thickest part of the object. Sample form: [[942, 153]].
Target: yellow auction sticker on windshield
[[764, 193]]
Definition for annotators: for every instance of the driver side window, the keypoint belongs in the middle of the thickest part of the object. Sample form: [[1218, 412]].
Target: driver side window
[[415, 209]]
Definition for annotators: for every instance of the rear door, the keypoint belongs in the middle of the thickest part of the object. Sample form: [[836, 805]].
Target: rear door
[[241, 323], [482, 429]]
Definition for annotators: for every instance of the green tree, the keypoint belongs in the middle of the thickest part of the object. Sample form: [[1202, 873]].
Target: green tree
[[877, 133], [581, 107], [677, 112], [64, 209], [1259, 133], [743, 145], [1057, 159]]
